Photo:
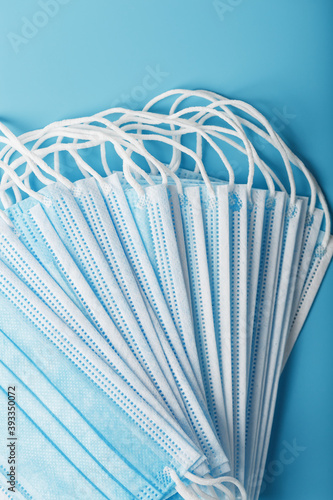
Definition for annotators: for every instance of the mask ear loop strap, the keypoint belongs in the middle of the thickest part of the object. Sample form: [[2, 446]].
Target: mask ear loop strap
[[249, 149], [24, 151], [264, 167], [175, 162], [189, 152], [275, 142], [82, 165], [216, 132], [136, 146], [158, 131], [23, 159], [217, 483], [205, 95], [103, 136], [115, 128], [185, 123], [41, 198], [202, 111], [242, 135], [201, 494], [209, 95], [58, 147], [314, 186]]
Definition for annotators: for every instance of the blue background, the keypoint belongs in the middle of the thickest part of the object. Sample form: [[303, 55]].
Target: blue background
[[274, 54]]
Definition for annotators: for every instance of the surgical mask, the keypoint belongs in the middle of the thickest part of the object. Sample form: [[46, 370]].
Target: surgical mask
[[19, 259], [293, 230], [196, 258], [219, 459], [53, 436], [132, 242], [51, 252], [112, 410]]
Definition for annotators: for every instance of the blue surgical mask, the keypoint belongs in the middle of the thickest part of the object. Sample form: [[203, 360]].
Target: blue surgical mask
[[290, 250], [115, 411], [133, 243], [266, 293]]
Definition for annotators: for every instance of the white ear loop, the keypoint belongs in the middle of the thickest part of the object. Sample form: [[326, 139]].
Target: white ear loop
[[42, 199], [29, 136], [82, 165], [214, 131], [208, 96], [72, 147], [160, 166], [193, 129], [217, 483], [249, 149], [314, 186], [203, 94], [167, 140], [24, 151], [25, 176], [285, 151], [7, 184]]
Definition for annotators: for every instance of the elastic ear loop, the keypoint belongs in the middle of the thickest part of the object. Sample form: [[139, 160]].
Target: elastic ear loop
[[241, 132], [275, 142], [24, 151], [193, 129], [119, 132], [82, 165], [70, 145], [314, 186], [217, 483], [205, 95], [25, 176], [39, 197], [6, 184], [137, 147], [12, 140], [208, 96], [103, 132], [14, 145], [71, 149], [249, 149], [163, 171], [29, 136], [128, 173], [165, 118], [150, 137], [238, 131], [43, 165], [158, 133], [215, 131], [98, 117], [176, 159]]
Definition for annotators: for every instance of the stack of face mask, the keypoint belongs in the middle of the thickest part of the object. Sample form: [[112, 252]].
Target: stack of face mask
[[147, 308]]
